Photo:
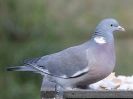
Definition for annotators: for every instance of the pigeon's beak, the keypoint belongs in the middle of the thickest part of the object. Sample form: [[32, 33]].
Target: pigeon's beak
[[120, 28]]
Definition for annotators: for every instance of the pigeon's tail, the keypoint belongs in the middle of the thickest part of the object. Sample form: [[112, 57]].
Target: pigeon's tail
[[20, 68]]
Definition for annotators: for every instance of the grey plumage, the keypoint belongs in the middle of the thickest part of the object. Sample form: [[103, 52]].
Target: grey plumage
[[82, 64]]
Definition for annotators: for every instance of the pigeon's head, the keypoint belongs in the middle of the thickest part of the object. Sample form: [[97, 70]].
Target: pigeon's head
[[109, 25]]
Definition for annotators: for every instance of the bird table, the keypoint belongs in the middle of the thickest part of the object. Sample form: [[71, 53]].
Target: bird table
[[48, 92]]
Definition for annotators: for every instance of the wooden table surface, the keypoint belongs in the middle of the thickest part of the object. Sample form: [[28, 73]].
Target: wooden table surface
[[90, 94], [48, 91]]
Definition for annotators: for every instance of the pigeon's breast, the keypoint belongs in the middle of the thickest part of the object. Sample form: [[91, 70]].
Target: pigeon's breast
[[102, 64]]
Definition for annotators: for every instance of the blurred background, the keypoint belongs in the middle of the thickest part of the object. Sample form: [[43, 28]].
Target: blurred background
[[33, 28]]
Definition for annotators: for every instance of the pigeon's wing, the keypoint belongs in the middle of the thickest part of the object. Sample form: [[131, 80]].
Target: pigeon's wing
[[69, 63]]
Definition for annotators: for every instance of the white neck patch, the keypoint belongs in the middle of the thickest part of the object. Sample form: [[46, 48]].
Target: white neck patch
[[100, 40]]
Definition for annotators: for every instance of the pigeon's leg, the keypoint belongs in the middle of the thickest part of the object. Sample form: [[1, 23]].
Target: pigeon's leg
[[48, 85], [59, 91]]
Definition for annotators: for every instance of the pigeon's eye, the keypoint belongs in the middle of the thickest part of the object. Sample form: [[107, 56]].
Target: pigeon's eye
[[111, 25]]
